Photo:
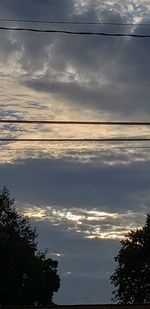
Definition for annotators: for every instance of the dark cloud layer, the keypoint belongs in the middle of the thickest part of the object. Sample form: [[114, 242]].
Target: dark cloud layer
[[109, 74], [76, 184]]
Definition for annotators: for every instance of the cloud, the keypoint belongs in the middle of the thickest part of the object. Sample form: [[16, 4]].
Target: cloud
[[75, 184], [77, 194], [91, 223], [100, 64], [80, 70], [73, 77]]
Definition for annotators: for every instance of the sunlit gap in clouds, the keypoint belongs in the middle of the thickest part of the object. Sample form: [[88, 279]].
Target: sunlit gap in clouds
[[91, 223], [19, 102], [107, 153], [93, 153]]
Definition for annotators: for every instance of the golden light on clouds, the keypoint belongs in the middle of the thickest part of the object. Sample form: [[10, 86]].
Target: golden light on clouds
[[91, 223], [20, 102]]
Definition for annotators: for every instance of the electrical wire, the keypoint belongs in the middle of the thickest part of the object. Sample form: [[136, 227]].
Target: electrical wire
[[75, 140], [76, 32], [102, 148], [70, 122]]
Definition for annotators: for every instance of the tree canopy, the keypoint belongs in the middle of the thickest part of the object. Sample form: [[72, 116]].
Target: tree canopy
[[131, 278], [27, 276]]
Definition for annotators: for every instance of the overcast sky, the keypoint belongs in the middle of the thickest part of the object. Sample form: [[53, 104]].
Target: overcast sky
[[82, 197]]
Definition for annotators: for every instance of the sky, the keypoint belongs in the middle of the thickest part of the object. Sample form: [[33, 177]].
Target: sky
[[83, 197]]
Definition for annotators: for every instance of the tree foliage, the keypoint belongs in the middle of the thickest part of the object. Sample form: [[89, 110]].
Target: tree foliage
[[26, 274], [131, 278]]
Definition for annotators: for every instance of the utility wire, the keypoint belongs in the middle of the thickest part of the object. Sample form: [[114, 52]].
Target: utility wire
[[71, 22], [75, 140], [102, 148], [70, 122], [76, 32]]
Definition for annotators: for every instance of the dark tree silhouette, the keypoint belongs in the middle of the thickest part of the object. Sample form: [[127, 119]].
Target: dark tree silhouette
[[131, 278], [26, 274]]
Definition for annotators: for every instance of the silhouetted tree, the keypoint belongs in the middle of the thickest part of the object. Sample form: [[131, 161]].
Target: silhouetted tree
[[132, 275], [26, 275]]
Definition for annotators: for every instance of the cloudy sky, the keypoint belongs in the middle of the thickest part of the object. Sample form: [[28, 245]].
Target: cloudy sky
[[83, 197]]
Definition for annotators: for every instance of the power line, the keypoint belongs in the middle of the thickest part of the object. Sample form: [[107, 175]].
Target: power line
[[76, 32], [102, 148], [75, 140], [71, 22], [70, 122]]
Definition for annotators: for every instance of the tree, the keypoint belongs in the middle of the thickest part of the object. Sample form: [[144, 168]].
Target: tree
[[27, 276], [131, 278]]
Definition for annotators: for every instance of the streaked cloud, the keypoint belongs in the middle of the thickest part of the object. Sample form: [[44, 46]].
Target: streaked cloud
[[91, 223]]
